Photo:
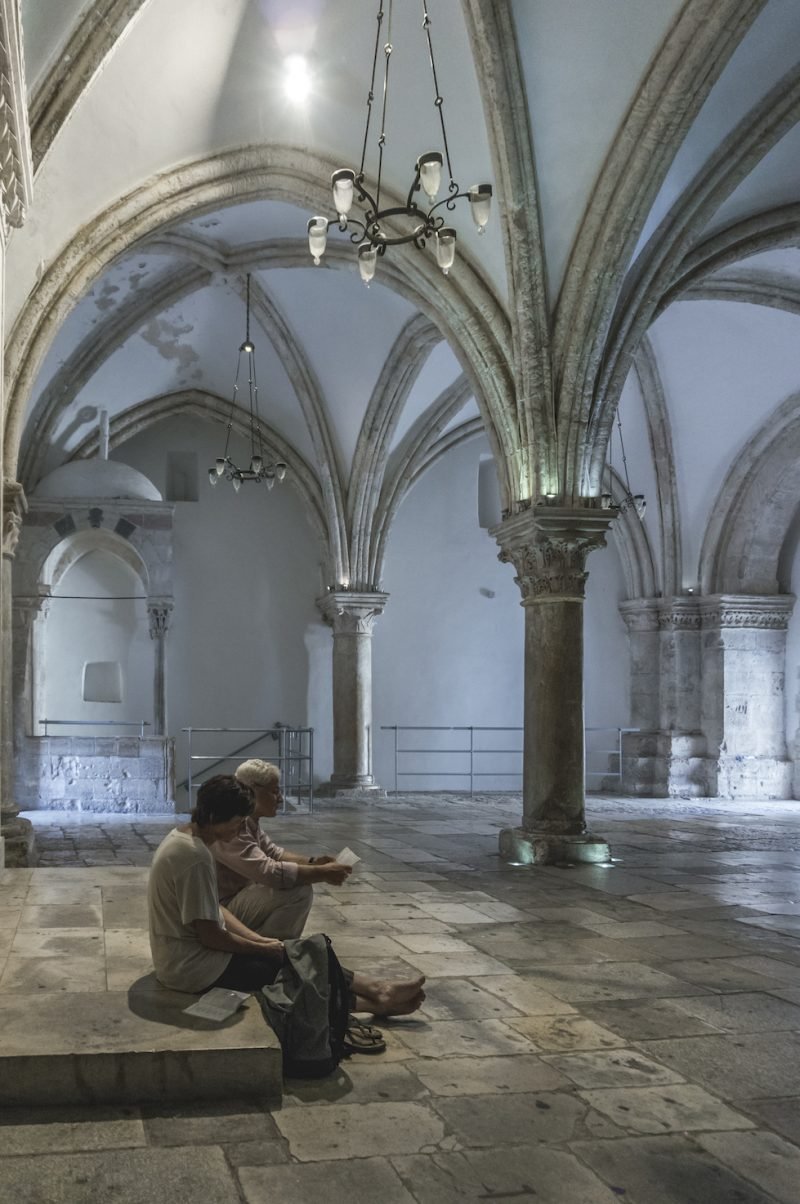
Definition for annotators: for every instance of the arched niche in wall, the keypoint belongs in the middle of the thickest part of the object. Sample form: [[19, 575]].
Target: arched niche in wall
[[94, 659]]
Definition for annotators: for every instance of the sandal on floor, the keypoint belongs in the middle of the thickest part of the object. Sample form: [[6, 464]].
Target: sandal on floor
[[363, 1038]]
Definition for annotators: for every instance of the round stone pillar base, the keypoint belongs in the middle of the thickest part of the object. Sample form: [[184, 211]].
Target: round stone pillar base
[[19, 844], [522, 847], [354, 790]]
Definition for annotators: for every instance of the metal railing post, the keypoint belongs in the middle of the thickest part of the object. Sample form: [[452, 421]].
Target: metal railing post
[[395, 759], [189, 764], [471, 761]]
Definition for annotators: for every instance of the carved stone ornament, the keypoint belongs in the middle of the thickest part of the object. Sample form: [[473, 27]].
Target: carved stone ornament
[[14, 507], [548, 547], [680, 614], [766, 613], [16, 164], [641, 614], [351, 613], [159, 613]]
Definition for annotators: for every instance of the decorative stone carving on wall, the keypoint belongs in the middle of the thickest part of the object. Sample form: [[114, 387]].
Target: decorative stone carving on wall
[[16, 165], [159, 614], [770, 613], [14, 507]]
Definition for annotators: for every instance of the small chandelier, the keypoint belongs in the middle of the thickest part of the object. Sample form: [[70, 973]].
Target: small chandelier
[[630, 501], [259, 470], [417, 220]]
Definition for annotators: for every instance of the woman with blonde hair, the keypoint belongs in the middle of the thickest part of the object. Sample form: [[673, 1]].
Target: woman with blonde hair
[[267, 887]]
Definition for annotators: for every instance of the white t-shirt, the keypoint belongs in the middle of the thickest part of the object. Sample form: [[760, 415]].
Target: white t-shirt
[[183, 888]]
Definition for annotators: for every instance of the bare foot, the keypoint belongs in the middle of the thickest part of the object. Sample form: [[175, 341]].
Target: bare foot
[[396, 992], [403, 1007]]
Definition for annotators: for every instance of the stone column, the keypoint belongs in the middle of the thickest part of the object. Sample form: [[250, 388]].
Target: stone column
[[744, 665], [351, 615], [17, 833], [666, 757], [159, 612], [548, 547]]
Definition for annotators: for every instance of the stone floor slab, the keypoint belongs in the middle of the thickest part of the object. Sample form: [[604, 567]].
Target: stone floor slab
[[488, 1076], [337, 1131], [666, 1170], [462, 1038], [740, 1066], [492, 1120], [526, 1175], [47, 1130], [678, 1107], [748, 1012], [564, 1033], [129, 1176], [612, 1068], [368, 1181], [762, 1158]]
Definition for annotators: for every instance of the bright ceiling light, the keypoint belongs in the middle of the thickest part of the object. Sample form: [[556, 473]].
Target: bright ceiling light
[[297, 78]]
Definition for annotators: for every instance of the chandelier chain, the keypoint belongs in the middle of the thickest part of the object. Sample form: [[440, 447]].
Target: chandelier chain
[[387, 55], [438, 98], [371, 93]]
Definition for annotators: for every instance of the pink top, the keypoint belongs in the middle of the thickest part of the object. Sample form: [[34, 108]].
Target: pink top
[[251, 857]]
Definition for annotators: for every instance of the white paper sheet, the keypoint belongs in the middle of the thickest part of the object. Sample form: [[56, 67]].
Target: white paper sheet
[[217, 1004], [347, 857]]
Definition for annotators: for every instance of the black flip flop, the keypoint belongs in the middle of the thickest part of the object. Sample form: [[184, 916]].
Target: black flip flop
[[363, 1038]]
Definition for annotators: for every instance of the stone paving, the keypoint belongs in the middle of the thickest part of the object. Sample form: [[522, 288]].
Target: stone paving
[[591, 1033]]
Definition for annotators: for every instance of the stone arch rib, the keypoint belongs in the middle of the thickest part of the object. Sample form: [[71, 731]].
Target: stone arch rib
[[407, 459], [658, 429], [496, 58], [92, 352], [733, 160], [97, 33], [754, 509], [464, 306], [400, 370], [698, 46]]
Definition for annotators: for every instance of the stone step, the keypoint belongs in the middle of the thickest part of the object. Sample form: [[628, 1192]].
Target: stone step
[[128, 1047]]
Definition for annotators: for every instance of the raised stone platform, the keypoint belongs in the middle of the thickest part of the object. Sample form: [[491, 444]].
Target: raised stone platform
[[82, 1018]]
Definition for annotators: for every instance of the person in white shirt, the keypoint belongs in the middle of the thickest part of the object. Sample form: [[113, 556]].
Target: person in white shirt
[[267, 887], [197, 944]]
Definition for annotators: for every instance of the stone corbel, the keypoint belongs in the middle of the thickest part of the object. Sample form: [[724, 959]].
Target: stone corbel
[[159, 613], [15, 506]]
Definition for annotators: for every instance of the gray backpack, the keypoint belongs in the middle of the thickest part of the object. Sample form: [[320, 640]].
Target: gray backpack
[[308, 1007]]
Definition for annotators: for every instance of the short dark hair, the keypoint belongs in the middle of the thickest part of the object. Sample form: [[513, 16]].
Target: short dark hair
[[221, 798]]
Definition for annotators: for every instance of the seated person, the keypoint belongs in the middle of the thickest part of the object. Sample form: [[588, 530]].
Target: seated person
[[269, 888], [197, 944]]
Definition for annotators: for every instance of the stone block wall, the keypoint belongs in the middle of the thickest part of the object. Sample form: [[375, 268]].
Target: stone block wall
[[124, 774]]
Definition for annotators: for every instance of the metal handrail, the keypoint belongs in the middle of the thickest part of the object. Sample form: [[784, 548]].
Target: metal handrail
[[474, 752], [281, 733], [140, 723]]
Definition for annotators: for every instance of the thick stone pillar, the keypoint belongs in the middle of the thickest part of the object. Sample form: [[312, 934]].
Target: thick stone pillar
[[548, 547], [351, 615], [159, 612], [17, 833], [666, 757], [744, 659]]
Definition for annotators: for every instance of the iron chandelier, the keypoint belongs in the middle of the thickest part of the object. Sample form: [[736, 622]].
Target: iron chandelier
[[377, 228], [259, 469]]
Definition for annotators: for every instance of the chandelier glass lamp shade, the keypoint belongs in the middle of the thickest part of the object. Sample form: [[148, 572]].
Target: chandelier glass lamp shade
[[374, 226], [259, 469]]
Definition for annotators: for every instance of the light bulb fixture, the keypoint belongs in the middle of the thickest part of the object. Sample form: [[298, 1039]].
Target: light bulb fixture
[[260, 469], [630, 500], [376, 227]]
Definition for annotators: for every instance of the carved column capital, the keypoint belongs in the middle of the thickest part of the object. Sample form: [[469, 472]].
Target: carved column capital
[[351, 613], [768, 612], [548, 547], [641, 614], [679, 614], [14, 507], [159, 612], [25, 609]]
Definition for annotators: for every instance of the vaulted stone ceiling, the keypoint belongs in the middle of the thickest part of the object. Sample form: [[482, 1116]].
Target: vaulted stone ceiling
[[660, 201]]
